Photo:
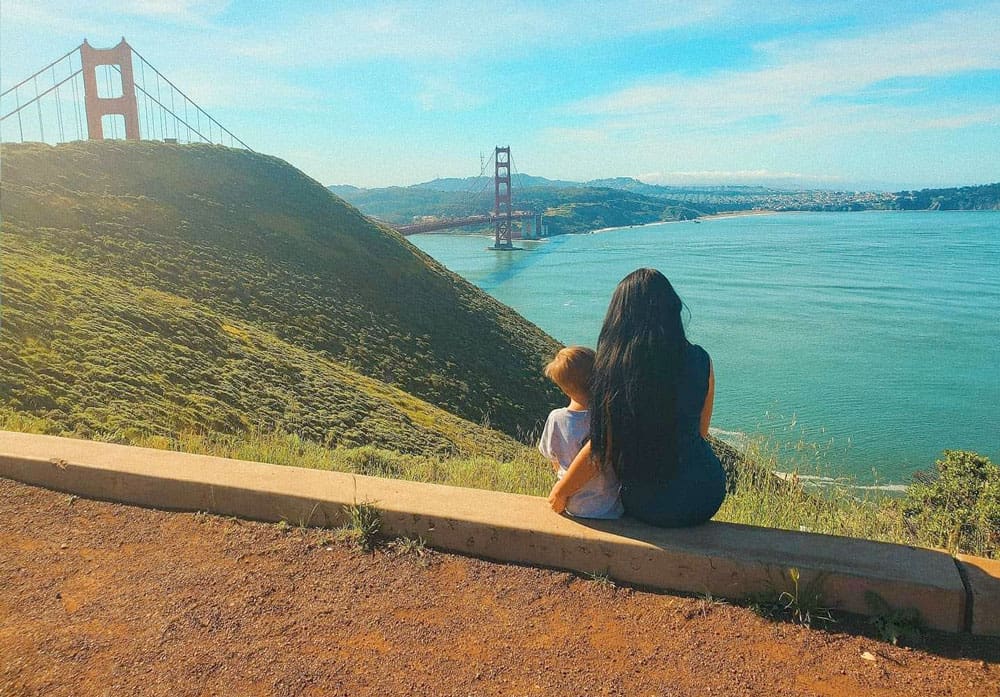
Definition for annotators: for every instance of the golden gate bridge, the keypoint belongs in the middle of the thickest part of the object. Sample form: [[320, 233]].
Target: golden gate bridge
[[115, 93]]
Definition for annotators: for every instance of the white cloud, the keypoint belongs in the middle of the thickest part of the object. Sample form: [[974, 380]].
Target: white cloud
[[461, 29], [96, 13], [799, 75]]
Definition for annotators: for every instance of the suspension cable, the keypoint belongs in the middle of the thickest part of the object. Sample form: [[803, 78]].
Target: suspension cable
[[163, 115], [41, 128], [39, 96], [62, 134], [165, 110], [146, 110], [76, 104], [20, 126], [32, 77], [195, 104]]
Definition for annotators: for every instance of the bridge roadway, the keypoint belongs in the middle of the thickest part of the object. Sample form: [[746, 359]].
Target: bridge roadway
[[450, 223]]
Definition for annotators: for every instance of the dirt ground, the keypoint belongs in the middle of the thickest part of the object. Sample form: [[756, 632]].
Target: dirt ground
[[102, 599]]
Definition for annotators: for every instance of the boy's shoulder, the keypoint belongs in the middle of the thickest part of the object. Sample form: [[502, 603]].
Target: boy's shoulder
[[567, 414]]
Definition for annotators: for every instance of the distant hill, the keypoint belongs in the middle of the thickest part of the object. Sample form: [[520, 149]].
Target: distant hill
[[164, 287], [475, 184], [621, 201], [578, 208], [966, 198], [639, 187], [344, 189]]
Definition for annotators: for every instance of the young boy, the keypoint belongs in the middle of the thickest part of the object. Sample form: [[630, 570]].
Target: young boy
[[567, 429]]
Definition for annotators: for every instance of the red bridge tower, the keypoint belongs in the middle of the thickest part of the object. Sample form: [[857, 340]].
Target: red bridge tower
[[124, 104], [501, 199]]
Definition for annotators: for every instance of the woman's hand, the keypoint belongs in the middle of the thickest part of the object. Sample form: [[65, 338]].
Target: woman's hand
[[557, 500]]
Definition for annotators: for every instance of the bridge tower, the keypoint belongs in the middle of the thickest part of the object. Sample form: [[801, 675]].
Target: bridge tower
[[501, 199], [123, 105]]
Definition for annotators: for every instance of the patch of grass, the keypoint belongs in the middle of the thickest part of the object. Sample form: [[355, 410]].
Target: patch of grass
[[412, 547], [764, 604], [362, 527], [603, 580], [760, 497], [894, 625], [803, 603], [707, 602]]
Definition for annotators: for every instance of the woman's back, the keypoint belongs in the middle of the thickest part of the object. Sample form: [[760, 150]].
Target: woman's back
[[689, 492], [692, 389]]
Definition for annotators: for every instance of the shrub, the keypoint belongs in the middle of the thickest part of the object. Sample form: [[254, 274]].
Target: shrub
[[958, 507]]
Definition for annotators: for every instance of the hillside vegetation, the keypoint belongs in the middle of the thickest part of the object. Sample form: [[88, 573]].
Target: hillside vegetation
[[157, 288], [567, 209], [966, 198]]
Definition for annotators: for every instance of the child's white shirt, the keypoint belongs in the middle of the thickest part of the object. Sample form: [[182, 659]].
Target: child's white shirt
[[564, 434]]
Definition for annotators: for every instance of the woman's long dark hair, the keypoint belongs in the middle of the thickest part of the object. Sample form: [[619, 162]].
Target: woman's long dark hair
[[633, 399]]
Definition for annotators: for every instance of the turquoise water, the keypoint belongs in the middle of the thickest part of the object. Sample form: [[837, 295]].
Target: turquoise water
[[875, 336]]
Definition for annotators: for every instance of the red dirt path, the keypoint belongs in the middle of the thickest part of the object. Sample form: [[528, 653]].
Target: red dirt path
[[104, 599]]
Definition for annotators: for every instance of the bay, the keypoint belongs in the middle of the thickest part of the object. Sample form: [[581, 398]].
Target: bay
[[865, 342]]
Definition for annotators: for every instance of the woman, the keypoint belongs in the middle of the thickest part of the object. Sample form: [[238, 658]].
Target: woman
[[650, 405]]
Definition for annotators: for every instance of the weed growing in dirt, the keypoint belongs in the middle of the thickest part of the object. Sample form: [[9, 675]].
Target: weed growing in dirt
[[804, 603], [409, 545], [603, 580], [764, 604], [414, 548], [707, 601], [894, 625], [362, 527]]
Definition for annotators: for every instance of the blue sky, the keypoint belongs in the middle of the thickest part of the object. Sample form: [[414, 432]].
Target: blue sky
[[873, 94]]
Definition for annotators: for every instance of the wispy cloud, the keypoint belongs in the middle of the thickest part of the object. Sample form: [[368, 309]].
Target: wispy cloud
[[989, 117], [467, 28], [194, 11], [464, 29], [96, 13], [796, 76]]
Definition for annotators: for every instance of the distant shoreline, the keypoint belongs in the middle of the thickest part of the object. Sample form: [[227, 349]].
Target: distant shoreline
[[738, 214], [710, 216]]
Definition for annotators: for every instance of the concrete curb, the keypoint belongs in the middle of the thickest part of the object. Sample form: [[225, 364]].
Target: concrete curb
[[721, 559]]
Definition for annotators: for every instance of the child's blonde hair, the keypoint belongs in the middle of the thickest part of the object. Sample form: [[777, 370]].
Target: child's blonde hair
[[571, 369]]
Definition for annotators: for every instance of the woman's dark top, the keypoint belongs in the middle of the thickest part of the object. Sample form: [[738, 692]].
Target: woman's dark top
[[695, 491]]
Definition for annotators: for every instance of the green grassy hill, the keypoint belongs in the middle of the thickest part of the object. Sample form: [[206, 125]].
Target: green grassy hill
[[165, 288]]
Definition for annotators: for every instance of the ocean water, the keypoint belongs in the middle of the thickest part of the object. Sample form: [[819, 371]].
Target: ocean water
[[866, 343]]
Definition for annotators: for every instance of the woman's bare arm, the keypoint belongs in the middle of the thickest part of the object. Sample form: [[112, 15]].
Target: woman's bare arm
[[579, 472], [706, 411]]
